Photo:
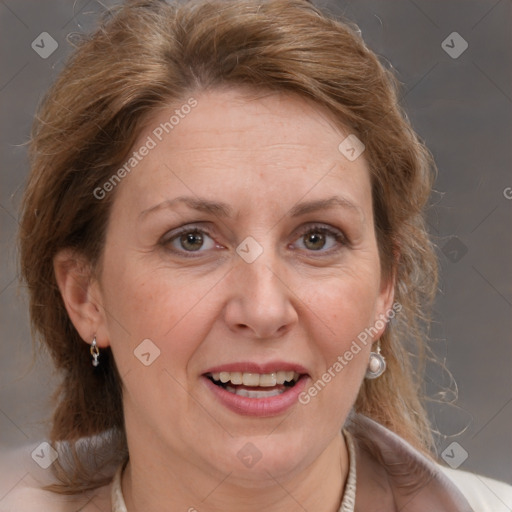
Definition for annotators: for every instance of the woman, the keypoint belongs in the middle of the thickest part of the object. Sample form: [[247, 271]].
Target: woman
[[224, 244]]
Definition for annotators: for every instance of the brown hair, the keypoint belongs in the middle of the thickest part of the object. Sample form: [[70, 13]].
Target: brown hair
[[149, 54]]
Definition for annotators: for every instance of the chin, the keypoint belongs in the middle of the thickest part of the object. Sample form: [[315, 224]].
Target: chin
[[255, 459]]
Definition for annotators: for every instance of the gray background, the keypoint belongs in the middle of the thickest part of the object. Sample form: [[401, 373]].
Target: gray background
[[460, 106]]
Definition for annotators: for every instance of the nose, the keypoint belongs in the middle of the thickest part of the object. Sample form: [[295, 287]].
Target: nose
[[261, 302]]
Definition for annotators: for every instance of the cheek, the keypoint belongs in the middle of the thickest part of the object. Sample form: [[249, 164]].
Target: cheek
[[343, 311], [158, 305], [345, 305]]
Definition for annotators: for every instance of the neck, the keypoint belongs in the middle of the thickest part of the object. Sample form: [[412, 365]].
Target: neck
[[153, 483]]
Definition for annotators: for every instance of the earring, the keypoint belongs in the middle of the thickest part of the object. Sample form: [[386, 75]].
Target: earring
[[376, 364], [95, 352]]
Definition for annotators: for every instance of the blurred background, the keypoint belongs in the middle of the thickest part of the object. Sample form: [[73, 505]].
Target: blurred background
[[453, 58]]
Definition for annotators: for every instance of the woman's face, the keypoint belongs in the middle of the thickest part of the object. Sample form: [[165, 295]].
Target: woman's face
[[241, 248]]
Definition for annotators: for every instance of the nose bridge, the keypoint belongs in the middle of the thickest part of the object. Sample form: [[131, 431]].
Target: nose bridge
[[261, 302], [258, 258], [262, 282]]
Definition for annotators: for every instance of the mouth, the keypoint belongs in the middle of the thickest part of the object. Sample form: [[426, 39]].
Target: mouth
[[255, 385], [251, 389]]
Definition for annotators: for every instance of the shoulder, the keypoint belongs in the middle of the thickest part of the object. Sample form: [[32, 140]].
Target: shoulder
[[428, 482], [482, 493], [22, 484], [29, 496]]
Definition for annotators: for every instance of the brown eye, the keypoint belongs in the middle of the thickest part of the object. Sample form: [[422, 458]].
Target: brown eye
[[191, 241], [321, 239], [314, 241]]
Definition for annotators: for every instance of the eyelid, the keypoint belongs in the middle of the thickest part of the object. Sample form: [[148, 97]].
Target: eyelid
[[173, 233], [326, 228]]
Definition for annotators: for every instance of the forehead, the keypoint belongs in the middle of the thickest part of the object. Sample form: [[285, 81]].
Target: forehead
[[244, 119], [268, 143]]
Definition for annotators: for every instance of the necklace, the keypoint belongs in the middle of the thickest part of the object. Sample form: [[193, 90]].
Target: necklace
[[347, 503]]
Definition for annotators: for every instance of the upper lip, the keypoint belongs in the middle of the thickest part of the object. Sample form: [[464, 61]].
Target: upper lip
[[261, 368]]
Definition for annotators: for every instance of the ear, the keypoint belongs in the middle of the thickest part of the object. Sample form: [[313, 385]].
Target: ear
[[82, 296], [385, 309]]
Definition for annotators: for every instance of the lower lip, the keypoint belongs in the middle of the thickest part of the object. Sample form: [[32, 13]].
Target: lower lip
[[270, 406]]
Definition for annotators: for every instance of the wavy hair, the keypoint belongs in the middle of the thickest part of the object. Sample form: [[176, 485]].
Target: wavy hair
[[148, 54]]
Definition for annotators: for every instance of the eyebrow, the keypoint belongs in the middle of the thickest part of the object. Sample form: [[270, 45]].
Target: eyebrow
[[323, 204], [196, 203], [224, 210]]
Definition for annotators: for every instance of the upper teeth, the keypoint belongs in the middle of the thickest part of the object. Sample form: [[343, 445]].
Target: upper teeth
[[256, 379]]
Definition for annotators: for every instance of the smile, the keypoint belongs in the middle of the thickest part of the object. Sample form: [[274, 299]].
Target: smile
[[251, 385], [250, 389]]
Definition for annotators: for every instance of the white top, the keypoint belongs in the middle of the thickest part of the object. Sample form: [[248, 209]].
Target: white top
[[482, 493]]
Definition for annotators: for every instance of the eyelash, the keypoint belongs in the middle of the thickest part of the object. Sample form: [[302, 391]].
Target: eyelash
[[337, 235]]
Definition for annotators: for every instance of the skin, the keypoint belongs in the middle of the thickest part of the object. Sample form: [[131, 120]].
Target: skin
[[303, 300]]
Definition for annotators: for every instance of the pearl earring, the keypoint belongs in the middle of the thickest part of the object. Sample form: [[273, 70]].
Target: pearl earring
[[376, 364]]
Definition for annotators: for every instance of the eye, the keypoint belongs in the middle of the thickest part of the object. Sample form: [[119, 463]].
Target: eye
[[190, 240], [321, 239]]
